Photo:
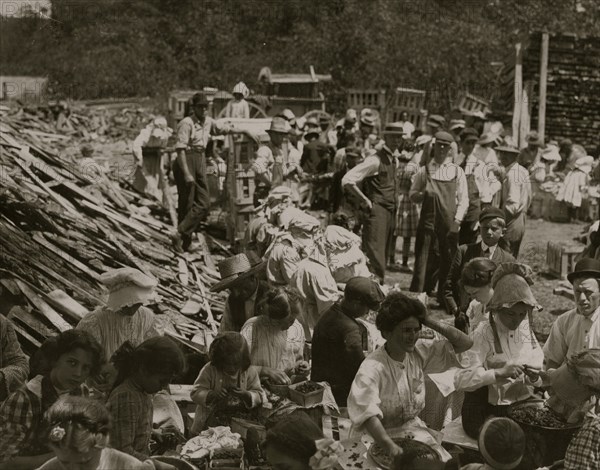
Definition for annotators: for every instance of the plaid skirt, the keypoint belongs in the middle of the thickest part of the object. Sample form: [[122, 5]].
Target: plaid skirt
[[407, 217]]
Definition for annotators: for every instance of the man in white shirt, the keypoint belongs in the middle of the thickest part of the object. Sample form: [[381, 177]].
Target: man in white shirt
[[579, 329], [441, 186]]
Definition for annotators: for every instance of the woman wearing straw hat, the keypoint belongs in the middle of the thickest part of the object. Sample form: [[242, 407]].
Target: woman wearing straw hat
[[242, 277], [504, 363]]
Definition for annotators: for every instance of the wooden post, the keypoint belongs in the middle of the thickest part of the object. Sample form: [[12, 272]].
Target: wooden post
[[543, 84], [518, 93]]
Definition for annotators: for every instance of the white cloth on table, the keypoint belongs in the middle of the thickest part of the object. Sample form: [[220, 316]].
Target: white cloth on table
[[572, 333], [273, 347], [518, 347]]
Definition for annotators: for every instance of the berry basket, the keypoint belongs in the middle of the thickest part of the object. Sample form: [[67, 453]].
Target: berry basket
[[307, 393]]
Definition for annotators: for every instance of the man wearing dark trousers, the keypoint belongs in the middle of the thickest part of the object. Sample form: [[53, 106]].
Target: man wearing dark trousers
[[378, 200], [441, 187], [189, 170]]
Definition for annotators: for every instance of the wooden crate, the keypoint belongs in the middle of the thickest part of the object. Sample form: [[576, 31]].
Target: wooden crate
[[244, 186], [409, 98], [359, 99], [560, 258], [470, 104]]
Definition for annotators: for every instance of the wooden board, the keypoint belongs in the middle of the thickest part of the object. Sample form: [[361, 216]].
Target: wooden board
[[52, 315]]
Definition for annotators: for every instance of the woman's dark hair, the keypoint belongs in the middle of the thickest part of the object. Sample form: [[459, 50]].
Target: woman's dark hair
[[295, 435], [56, 346], [155, 356], [478, 272], [280, 302], [227, 348], [396, 308]]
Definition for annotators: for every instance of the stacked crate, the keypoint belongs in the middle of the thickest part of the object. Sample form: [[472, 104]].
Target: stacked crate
[[410, 101]]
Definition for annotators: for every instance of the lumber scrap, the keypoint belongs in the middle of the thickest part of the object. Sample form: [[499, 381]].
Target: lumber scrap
[[62, 301], [46, 310]]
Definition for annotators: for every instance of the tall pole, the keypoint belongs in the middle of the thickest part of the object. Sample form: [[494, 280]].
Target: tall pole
[[543, 85], [518, 94]]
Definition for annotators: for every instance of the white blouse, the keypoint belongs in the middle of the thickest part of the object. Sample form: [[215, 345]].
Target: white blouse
[[392, 390], [517, 347]]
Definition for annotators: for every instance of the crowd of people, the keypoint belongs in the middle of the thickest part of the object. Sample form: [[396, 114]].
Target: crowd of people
[[309, 300]]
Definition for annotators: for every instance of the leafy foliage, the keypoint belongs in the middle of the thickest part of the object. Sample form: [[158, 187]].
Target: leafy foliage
[[123, 48]]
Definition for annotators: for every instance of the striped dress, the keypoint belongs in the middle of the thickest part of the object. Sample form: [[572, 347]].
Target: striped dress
[[407, 215]]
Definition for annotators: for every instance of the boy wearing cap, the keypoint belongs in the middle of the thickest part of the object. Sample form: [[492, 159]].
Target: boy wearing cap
[[579, 329], [339, 341], [492, 227], [516, 196], [441, 187], [189, 170]]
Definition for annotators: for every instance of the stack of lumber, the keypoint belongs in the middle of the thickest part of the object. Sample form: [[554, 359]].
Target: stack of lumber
[[573, 87], [64, 221]]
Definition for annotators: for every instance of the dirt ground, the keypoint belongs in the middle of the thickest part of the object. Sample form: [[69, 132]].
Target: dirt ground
[[533, 252]]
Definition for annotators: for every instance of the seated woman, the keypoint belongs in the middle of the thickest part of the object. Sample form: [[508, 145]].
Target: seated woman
[[143, 371], [476, 280], [506, 358], [227, 375], [74, 356], [78, 436], [297, 443], [275, 338], [389, 389]]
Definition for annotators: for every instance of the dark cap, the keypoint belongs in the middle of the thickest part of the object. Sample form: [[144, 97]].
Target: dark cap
[[469, 134], [435, 120], [491, 213], [508, 149], [199, 99], [444, 138], [586, 267], [365, 290]]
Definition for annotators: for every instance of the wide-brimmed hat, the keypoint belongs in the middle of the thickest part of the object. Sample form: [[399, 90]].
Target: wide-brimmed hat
[[312, 131], [288, 114], [367, 120], [394, 128], [236, 269], [585, 267], [585, 164], [502, 443], [279, 125], [551, 153], [533, 138], [512, 285], [311, 122], [128, 286], [487, 138]]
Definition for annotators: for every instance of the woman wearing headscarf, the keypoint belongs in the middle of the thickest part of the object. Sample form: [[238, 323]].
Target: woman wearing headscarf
[[504, 363]]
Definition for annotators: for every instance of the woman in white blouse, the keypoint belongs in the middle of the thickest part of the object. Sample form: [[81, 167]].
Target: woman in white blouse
[[389, 389], [504, 363]]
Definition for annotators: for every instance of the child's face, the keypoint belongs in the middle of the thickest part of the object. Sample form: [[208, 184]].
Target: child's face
[[155, 382], [71, 369], [70, 459], [480, 294], [491, 231], [231, 367]]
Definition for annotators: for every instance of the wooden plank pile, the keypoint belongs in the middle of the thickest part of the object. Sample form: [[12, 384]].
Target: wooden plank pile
[[573, 89], [62, 226]]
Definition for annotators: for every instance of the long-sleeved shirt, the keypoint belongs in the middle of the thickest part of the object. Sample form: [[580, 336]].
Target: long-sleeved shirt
[[238, 109], [516, 191], [518, 347], [487, 183], [191, 133], [447, 171], [316, 285], [572, 333], [112, 329], [14, 366], [131, 411], [212, 379]]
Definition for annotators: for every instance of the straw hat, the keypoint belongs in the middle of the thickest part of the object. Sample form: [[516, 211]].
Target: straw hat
[[487, 138], [279, 125], [237, 268], [127, 287]]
